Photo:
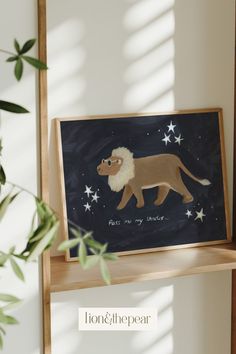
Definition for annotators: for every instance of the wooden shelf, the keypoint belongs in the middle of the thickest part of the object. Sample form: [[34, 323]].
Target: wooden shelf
[[134, 268]]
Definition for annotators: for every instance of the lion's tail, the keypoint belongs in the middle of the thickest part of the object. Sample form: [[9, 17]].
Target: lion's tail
[[204, 182]]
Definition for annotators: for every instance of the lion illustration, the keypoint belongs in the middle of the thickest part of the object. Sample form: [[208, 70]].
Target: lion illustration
[[134, 175]]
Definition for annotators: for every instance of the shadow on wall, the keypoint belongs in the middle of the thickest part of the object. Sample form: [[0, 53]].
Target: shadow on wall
[[180, 312], [27, 340], [146, 294], [137, 56], [116, 57], [121, 60]]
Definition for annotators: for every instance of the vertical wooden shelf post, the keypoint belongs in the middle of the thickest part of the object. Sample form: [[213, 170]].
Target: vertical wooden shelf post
[[233, 310], [43, 148]]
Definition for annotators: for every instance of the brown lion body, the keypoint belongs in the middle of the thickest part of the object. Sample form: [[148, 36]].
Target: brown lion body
[[162, 171]]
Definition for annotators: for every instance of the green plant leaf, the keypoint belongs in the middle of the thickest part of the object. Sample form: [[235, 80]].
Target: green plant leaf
[[9, 320], [2, 175], [17, 46], [12, 249], [40, 232], [88, 235], [13, 58], [93, 244], [2, 330], [32, 231], [65, 245], [43, 243], [91, 261], [3, 259], [35, 62], [82, 254], [17, 270], [12, 107], [19, 69], [40, 208], [1, 341], [27, 46], [76, 232], [5, 203], [20, 256], [44, 211], [103, 249], [11, 305], [110, 257], [93, 251], [9, 298], [105, 272]]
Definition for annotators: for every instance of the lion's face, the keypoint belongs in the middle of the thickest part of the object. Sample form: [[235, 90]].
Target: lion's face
[[110, 166]]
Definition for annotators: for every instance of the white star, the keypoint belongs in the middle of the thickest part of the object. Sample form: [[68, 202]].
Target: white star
[[95, 197], [200, 215], [178, 139], [171, 127], [87, 206], [166, 139], [188, 213], [88, 191]]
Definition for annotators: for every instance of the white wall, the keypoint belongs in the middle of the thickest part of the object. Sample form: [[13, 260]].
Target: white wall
[[193, 317], [120, 56], [110, 56], [18, 19]]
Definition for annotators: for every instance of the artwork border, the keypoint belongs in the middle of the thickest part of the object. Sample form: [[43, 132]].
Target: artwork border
[[63, 214]]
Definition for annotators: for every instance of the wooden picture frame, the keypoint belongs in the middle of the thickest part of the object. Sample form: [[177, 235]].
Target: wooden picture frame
[[160, 134]]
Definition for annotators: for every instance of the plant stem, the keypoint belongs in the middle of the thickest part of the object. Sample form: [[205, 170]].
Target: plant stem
[[21, 188], [55, 212], [6, 52]]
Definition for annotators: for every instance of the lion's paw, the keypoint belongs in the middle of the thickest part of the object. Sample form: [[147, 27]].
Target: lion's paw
[[188, 199], [140, 205], [158, 202]]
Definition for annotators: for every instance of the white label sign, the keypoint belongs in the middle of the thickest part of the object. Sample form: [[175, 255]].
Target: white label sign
[[117, 319]]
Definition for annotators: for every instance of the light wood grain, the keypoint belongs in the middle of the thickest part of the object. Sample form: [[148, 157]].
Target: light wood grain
[[44, 190], [233, 301], [134, 268], [225, 176], [60, 172], [143, 114], [233, 314]]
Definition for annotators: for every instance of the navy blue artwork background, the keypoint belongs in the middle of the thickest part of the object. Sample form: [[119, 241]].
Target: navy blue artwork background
[[86, 142]]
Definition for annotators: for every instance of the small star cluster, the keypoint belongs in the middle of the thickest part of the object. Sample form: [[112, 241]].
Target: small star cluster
[[91, 196], [199, 214], [167, 137]]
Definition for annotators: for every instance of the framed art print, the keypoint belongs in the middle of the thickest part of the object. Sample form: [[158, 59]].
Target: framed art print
[[145, 182]]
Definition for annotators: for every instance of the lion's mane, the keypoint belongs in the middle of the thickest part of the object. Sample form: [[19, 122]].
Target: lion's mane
[[126, 172]]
